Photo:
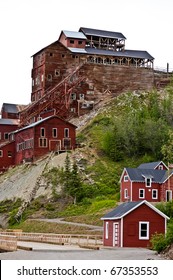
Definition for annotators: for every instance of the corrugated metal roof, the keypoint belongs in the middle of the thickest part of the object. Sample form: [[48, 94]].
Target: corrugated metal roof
[[126, 53], [121, 210], [9, 122], [151, 165], [74, 34], [12, 108], [139, 174], [101, 33], [127, 207]]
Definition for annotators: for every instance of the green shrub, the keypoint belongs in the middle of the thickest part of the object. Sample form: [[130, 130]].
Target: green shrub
[[159, 242]]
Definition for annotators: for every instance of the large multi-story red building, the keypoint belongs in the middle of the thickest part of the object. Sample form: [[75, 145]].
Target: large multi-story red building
[[70, 77]]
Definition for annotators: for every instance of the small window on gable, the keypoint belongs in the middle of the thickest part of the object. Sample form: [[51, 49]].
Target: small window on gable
[[50, 54], [126, 178], [160, 167]]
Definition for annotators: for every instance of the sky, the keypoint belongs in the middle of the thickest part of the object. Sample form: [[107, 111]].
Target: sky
[[27, 26]]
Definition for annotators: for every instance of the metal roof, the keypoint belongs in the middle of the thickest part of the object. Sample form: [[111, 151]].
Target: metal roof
[[9, 122], [101, 33], [74, 34], [139, 174], [126, 53], [12, 108], [151, 165], [127, 207]]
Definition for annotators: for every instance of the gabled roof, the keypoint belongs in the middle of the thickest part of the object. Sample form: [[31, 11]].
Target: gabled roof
[[9, 121], [101, 33], [12, 108], [152, 165], [73, 34], [127, 207], [139, 174], [41, 121]]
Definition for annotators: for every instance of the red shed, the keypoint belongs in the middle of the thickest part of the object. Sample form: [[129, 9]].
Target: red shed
[[7, 155], [132, 224]]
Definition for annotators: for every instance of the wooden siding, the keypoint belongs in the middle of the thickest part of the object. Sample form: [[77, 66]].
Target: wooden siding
[[131, 226], [8, 155], [6, 129]]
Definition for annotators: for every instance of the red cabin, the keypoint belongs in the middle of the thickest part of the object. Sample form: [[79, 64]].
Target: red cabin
[[132, 224]]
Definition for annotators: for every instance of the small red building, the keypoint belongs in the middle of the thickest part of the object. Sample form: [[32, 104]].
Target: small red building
[[7, 126], [36, 140], [43, 136], [132, 224], [150, 181]]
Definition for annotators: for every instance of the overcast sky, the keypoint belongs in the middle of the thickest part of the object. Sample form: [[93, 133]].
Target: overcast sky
[[29, 25]]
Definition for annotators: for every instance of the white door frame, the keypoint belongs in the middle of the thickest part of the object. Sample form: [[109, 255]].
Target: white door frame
[[116, 234]]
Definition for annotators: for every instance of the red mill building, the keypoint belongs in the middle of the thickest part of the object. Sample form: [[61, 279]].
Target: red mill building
[[69, 78], [76, 72]]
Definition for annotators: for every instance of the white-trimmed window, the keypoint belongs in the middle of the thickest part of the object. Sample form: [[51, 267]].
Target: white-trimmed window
[[42, 132], [160, 167], [43, 142], [125, 193], [73, 96], [66, 132], [148, 182], [154, 194], [144, 230], [107, 230], [54, 132], [1, 153], [126, 178], [141, 193]]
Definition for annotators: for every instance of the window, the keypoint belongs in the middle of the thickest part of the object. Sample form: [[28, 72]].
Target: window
[[54, 132], [126, 178], [79, 42], [81, 96], [42, 77], [6, 136], [9, 154], [66, 132], [148, 182], [0, 135], [57, 72], [42, 132], [73, 110], [154, 194], [43, 142], [107, 230], [141, 193], [1, 153], [143, 230], [126, 193], [71, 41], [50, 54], [73, 96], [49, 77]]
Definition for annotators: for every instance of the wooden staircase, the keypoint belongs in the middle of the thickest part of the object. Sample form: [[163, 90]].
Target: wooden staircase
[[56, 98]]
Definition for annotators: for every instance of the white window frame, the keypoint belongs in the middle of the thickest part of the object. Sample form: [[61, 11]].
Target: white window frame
[[143, 193], [160, 167], [54, 132], [155, 190], [1, 153], [126, 178], [106, 230], [125, 193], [146, 182], [147, 230], [66, 135], [6, 136], [41, 142]]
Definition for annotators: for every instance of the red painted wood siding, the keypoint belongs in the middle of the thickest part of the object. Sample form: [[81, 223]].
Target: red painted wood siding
[[125, 185], [8, 155], [109, 240], [6, 129], [131, 226]]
